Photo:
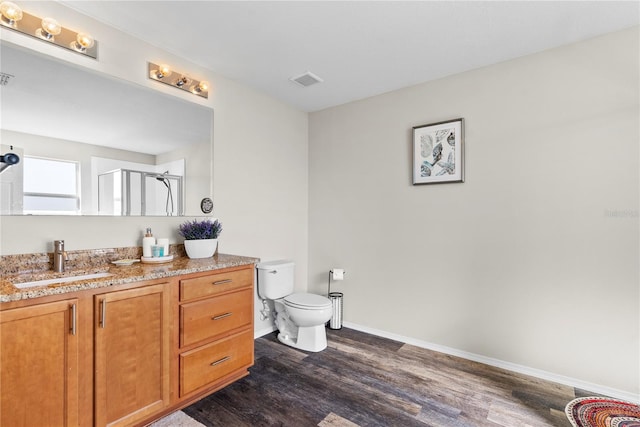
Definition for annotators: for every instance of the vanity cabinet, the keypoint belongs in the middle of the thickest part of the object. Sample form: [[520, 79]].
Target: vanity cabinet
[[39, 365], [125, 355], [216, 330], [132, 351]]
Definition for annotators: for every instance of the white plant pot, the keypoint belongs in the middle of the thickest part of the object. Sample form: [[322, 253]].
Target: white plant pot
[[204, 248]]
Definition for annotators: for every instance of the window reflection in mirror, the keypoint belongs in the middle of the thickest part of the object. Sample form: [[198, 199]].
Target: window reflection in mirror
[[50, 187]]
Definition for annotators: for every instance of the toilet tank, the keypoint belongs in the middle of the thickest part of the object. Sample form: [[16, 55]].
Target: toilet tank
[[275, 279]]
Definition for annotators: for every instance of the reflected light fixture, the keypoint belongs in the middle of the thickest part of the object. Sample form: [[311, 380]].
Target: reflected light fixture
[[48, 29], [162, 73], [11, 13]]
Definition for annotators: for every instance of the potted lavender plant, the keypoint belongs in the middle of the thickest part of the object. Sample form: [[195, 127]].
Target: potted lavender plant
[[200, 237]]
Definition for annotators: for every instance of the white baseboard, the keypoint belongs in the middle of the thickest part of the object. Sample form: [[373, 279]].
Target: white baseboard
[[549, 376]]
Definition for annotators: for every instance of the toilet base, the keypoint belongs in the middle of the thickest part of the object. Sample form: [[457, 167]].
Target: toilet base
[[312, 338]]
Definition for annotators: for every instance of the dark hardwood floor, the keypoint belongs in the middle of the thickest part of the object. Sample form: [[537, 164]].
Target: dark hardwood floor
[[364, 380]]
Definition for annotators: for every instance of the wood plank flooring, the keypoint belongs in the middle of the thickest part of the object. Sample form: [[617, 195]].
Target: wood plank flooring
[[365, 380]]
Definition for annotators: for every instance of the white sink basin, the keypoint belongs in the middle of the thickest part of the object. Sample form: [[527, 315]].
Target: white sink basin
[[60, 280]]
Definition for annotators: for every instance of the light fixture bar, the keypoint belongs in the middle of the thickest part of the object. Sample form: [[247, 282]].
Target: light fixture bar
[[32, 26], [162, 74]]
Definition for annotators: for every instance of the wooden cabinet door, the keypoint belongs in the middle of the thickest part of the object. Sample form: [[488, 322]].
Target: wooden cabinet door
[[39, 365], [131, 354]]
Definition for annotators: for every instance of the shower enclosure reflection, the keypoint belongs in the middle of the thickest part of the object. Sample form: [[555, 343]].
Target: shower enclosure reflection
[[133, 192]]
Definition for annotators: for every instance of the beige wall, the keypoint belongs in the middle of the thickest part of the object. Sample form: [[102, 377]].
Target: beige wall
[[260, 175], [259, 161], [534, 259]]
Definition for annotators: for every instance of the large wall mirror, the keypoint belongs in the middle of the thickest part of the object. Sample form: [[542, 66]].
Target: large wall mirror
[[90, 144]]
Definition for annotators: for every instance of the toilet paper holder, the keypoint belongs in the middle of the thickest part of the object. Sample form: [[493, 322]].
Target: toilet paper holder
[[337, 274], [336, 300]]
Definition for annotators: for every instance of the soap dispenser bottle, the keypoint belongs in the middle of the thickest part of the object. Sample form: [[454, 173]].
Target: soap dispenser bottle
[[147, 241]]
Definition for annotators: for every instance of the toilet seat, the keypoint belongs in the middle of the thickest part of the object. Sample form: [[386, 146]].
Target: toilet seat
[[307, 301]]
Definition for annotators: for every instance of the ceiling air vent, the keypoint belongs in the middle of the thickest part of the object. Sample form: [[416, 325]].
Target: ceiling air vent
[[4, 78], [307, 79]]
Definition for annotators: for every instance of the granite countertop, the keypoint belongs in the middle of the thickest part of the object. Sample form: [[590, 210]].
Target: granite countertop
[[120, 275]]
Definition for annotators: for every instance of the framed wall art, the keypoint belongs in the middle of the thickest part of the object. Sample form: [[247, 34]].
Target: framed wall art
[[438, 152]]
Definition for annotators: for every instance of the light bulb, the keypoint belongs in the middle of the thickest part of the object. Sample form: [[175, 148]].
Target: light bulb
[[201, 87], [83, 42], [182, 81], [11, 13], [163, 71], [50, 28]]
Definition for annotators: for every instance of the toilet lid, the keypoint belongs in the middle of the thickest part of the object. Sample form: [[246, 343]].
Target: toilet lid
[[304, 300]]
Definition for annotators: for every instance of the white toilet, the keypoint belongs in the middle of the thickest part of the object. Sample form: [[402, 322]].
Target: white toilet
[[300, 317]]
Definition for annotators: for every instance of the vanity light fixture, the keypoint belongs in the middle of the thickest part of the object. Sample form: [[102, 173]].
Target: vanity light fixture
[[48, 29], [162, 73]]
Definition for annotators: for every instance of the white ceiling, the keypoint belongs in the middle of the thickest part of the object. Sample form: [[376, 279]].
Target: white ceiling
[[359, 48]]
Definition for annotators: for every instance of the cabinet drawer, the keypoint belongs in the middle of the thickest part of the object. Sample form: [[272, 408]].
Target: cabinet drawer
[[215, 283], [206, 364], [215, 316]]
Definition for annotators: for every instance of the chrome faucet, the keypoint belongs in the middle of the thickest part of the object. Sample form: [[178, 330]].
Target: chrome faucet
[[59, 256]]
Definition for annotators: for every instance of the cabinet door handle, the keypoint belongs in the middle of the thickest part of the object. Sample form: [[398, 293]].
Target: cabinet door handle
[[222, 282], [221, 316], [217, 362], [103, 313], [72, 312]]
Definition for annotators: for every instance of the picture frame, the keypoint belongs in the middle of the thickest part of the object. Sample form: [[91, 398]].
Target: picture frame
[[438, 152]]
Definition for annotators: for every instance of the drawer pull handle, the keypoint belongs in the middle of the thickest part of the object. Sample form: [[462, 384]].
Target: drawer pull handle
[[222, 282], [224, 359], [221, 316]]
